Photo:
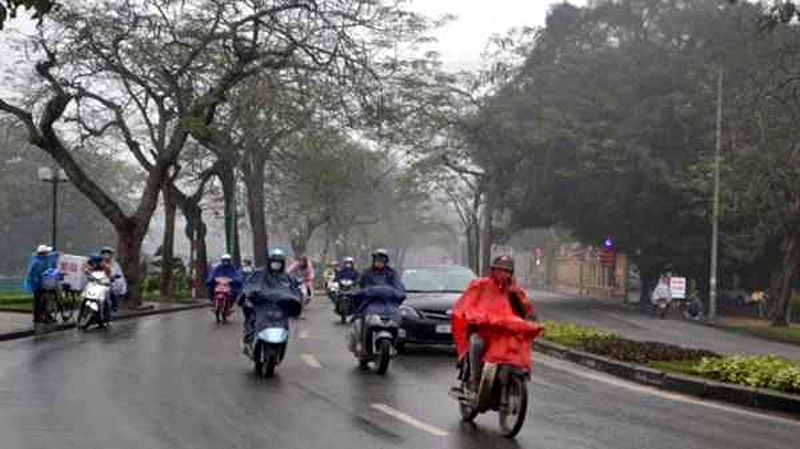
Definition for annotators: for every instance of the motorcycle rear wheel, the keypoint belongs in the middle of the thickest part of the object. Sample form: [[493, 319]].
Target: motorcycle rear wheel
[[512, 412], [269, 366], [384, 356]]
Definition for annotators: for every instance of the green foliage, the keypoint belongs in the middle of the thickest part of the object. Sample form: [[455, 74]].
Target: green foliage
[[766, 371], [642, 352], [572, 335], [589, 339]]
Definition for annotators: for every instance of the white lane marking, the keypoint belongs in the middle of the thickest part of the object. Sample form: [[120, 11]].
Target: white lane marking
[[566, 366], [303, 334], [311, 361], [410, 420]]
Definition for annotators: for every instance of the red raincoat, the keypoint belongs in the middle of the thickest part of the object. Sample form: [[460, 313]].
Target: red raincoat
[[487, 309]]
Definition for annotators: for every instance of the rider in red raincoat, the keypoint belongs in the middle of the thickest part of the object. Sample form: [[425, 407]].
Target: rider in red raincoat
[[493, 321]]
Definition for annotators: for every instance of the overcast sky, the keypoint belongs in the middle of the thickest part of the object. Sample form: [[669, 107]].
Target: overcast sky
[[463, 40]]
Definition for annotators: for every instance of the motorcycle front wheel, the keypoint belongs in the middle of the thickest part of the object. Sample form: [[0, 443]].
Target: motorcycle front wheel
[[514, 406], [84, 317], [468, 412]]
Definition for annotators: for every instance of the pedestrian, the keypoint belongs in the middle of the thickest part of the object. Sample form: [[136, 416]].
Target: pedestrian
[[40, 263]]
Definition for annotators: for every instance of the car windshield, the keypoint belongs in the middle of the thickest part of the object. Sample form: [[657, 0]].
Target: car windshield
[[437, 279]]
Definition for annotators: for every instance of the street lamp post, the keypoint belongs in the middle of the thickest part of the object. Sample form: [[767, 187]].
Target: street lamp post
[[54, 177], [712, 295]]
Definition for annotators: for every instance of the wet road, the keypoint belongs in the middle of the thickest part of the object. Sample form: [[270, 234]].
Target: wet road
[[179, 381]]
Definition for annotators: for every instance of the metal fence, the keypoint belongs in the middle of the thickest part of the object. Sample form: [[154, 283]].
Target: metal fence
[[10, 285]]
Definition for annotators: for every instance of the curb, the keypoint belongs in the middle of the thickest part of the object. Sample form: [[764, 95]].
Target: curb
[[15, 335], [678, 383]]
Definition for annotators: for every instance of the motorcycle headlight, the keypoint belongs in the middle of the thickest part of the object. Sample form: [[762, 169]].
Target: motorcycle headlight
[[408, 312]]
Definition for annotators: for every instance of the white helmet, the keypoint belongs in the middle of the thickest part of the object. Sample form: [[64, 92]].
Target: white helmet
[[43, 249], [226, 257]]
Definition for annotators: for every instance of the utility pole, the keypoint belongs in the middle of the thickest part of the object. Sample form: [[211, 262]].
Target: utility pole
[[712, 296]]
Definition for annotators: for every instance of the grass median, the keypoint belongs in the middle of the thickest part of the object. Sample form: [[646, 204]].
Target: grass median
[[16, 302], [763, 371]]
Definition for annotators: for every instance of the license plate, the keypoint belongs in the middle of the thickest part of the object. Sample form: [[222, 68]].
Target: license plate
[[443, 329]]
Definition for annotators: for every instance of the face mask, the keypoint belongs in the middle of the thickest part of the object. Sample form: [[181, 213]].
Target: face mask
[[275, 266]]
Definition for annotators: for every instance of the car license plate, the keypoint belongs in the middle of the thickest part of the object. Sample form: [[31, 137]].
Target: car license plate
[[443, 329]]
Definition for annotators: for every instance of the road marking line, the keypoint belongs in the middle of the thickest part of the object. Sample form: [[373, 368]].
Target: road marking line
[[311, 360], [303, 334], [566, 366], [410, 420]]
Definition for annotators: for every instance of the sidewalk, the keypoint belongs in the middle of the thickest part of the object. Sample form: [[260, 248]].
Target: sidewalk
[[614, 316], [16, 325]]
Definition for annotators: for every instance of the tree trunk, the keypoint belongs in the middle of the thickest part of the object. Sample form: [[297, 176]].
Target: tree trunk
[[649, 277], [256, 210], [227, 177], [781, 310], [167, 247], [486, 237], [129, 251]]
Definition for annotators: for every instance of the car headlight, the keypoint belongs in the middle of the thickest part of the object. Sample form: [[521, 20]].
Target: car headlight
[[408, 312]]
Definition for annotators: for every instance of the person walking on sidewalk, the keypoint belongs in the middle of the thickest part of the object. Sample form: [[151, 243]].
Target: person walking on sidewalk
[[40, 263]]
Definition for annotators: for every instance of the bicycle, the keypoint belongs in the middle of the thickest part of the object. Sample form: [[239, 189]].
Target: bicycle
[[60, 302]]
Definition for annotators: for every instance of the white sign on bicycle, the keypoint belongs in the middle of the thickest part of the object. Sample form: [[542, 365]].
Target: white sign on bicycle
[[678, 287], [73, 268]]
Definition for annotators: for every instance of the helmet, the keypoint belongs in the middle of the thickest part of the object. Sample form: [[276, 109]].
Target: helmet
[[349, 260], [504, 263], [380, 253], [226, 257], [106, 250], [277, 255], [43, 249]]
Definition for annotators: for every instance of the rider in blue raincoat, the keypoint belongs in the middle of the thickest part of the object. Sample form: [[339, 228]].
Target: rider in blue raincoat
[[269, 294], [348, 271], [381, 293], [225, 269]]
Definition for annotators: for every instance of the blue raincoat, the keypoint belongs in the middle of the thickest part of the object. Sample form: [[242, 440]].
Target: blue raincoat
[[274, 297], [382, 300], [225, 271], [37, 265]]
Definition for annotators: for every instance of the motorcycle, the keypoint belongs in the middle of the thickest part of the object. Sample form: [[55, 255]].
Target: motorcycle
[[341, 299], [373, 338], [502, 387], [661, 307], [95, 305], [273, 311], [305, 293], [223, 300]]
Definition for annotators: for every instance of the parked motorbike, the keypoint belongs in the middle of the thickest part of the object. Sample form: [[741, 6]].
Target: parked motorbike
[[223, 299], [342, 301], [661, 307], [373, 338], [502, 387], [273, 310], [95, 304]]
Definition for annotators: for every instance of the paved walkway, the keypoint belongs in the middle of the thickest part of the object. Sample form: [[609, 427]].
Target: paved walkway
[[613, 316], [18, 322]]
